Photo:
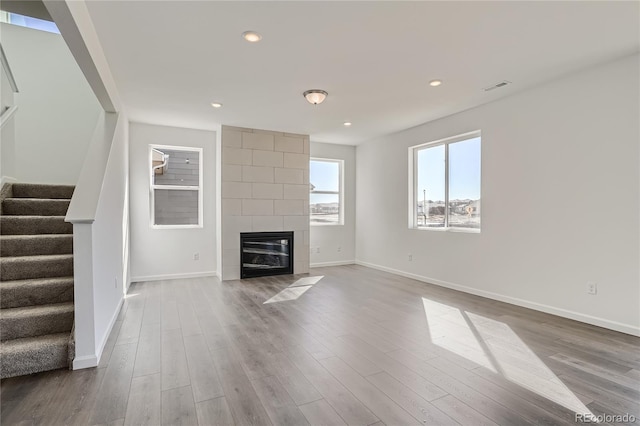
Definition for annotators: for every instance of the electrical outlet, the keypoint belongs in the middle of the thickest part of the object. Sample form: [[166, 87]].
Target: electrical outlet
[[115, 283], [339, 249], [196, 256], [317, 249], [592, 288], [410, 257]]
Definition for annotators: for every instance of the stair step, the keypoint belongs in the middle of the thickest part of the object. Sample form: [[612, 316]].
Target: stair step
[[32, 190], [29, 267], [31, 321], [31, 225], [34, 245], [35, 206], [33, 355], [15, 294]]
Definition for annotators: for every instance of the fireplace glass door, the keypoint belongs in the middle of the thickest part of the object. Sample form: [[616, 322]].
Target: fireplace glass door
[[266, 253]]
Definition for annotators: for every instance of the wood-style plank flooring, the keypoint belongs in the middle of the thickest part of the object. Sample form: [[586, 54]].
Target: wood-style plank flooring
[[357, 347]]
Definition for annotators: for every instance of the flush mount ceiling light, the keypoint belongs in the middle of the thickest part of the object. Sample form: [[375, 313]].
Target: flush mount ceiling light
[[435, 83], [347, 123], [251, 36], [216, 104], [315, 96]]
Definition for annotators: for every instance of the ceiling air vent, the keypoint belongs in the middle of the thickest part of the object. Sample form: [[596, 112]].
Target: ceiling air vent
[[497, 85]]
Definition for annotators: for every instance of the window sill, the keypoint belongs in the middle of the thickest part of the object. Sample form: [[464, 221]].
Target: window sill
[[176, 226], [457, 230]]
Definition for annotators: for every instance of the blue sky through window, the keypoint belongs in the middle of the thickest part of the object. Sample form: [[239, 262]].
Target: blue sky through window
[[324, 176], [464, 171], [34, 23]]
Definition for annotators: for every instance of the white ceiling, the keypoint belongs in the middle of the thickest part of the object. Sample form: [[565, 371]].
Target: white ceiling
[[171, 59]]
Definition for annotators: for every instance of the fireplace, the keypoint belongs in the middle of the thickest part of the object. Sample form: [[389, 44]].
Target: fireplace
[[266, 253]]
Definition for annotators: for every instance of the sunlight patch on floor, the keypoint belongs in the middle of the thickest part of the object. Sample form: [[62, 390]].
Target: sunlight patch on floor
[[494, 345], [307, 281], [295, 290]]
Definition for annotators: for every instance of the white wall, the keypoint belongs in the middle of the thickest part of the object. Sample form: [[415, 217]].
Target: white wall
[[560, 200], [8, 132], [169, 253], [99, 212], [57, 110], [336, 244], [110, 237], [8, 150]]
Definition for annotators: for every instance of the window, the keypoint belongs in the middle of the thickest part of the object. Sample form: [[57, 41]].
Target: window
[[325, 199], [176, 186], [28, 22], [446, 184]]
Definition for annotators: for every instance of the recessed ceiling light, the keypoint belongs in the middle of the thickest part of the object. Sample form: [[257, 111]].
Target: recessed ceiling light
[[347, 123], [216, 104], [251, 36], [435, 83]]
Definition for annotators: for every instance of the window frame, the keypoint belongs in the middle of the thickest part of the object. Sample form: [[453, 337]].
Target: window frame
[[340, 191], [153, 187], [413, 182]]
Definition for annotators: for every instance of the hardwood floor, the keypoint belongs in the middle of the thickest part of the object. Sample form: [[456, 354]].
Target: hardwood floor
[[359, 346]]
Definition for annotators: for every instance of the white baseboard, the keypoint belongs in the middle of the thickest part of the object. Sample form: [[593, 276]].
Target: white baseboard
[[174, 276], [85, 362], [90, 361], [114, 317], [338, 263], [589, 319]]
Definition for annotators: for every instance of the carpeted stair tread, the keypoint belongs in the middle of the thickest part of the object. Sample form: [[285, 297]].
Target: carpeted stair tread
[[32, 190], [33, 354], [31, 225], [35, 206], [36, 279], [30, 321], [29, 267], [41, 291], [34, 245]]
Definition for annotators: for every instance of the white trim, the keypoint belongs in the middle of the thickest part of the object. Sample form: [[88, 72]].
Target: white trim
[[79, 221], [114, 318], [174, 276], [338, 263], [4, 118], [90, 361], [85, 362], [565, 313], [153, 187], [7, 179], [340, 191], [413, 181], [7, 71]]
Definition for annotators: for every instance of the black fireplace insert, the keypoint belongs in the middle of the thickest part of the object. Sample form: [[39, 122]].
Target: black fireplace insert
[[266, 253]]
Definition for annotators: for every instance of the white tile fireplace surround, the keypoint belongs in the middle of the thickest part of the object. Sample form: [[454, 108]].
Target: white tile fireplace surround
[[265, 188]]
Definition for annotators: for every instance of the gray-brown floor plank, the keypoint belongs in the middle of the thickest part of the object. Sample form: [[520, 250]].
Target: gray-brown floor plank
[[145, 401], [175, 372], [361, 346], [321, 413], [279, 405], [112, 397], [204, 378], [214, 412], [178, 408]]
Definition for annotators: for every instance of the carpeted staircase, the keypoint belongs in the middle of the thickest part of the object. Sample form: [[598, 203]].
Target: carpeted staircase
[[36, 279]]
